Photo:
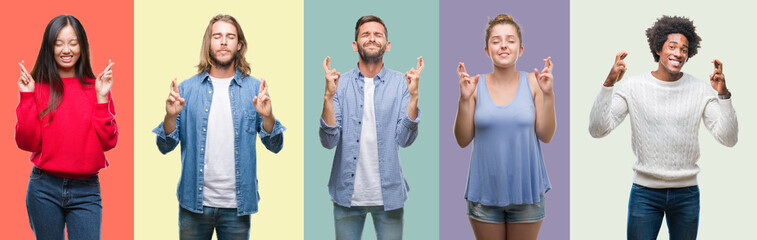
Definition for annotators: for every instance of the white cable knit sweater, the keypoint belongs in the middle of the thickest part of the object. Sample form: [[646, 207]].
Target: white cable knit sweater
[[665, 119]]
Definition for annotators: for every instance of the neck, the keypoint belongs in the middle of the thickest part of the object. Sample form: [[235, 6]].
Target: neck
[[370, 70], [504, 74], [226, 72], [664, 75], [66, 73]]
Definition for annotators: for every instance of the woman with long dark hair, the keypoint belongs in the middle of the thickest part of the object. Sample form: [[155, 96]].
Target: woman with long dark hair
[[508, 112], [66, 118]]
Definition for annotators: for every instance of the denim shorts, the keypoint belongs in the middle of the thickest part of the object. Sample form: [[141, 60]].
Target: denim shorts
[[513, 213]]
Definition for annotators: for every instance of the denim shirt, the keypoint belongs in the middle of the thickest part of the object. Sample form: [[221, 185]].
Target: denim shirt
[[394, 129], [191, 126]]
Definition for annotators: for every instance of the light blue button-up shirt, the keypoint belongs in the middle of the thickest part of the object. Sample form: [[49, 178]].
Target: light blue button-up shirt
[[394, 129], [191, 124]]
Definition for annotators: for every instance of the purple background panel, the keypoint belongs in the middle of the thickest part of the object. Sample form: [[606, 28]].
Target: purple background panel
[[545, 29]]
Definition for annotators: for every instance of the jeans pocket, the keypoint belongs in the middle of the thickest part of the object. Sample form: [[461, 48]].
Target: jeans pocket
[[693, 189], [36, 174], [93, 181]]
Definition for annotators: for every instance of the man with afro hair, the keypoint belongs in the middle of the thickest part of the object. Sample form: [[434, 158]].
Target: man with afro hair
[[666, 107]]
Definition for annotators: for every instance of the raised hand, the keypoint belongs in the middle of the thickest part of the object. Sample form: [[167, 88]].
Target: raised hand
[[545, 78], [413, 76], [617, 70], [174, 103], [103, 83], [332, 77], [262, 101], [717, 79], [467, 83], [25, 81]]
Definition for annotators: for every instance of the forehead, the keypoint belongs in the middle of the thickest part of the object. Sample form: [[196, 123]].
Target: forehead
[[66, 32], [504, 30], [223, 28], [677, 37], [372, 27]]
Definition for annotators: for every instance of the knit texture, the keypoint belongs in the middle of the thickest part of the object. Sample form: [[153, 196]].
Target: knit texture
[[665, 119]]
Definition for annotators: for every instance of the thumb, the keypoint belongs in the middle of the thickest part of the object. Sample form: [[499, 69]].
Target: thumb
[[255, 100], [475, 80]]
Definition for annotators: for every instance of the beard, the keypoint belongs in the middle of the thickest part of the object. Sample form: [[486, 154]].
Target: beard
[[223, 64], [371, 57]]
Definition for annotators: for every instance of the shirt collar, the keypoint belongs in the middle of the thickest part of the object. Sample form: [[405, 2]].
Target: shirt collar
[[238, 76], [380, 76]]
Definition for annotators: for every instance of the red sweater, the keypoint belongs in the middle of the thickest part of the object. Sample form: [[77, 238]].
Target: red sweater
[[73, 143]]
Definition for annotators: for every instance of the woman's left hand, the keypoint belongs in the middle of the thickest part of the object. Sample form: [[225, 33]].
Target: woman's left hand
[[103, 83], [545, 78]]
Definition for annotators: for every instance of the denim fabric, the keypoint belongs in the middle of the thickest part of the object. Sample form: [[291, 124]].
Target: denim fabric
[[394, 129], [226, 223], [349, 222], [191, 126], [647, 206], [513, 213], [53, 202]]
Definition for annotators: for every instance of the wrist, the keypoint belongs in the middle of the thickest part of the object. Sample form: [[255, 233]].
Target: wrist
[[726, 95], [102, 99]]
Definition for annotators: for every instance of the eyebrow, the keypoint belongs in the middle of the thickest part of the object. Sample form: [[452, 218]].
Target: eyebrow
[[218, 33]]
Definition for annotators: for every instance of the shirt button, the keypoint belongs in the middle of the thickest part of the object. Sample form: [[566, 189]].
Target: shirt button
[[360, 122], [210, 91], [202, 149], [203, 129], [206, 110], [354, 157], [358, 140], [200, 189], [200, 170], [352, 175]]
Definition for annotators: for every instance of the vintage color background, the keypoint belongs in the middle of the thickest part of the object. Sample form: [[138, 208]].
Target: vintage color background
[[601, 168], [545, 30], [413, 31], [168, 36], [110, 37]]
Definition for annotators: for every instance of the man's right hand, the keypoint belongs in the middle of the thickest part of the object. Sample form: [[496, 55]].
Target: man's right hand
[[174, 103], [332, 78], [25, 81], [617, 70], [467, 83]]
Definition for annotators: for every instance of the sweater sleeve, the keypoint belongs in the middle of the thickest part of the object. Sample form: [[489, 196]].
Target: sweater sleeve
[[104, 122], [608, 111], [720, 119], [28, 130]]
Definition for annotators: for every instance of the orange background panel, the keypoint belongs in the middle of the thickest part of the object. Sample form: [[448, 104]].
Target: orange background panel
[[109, 26]]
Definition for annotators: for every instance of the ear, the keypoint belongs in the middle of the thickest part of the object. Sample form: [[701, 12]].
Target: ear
[[486, 50], [388, 46], [239, 46], [354, 46], [521, 51]]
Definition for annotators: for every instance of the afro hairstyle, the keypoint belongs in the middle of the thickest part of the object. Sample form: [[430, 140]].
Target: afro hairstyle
[[658, 34]]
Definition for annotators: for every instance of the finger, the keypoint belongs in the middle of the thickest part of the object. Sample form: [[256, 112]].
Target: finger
[[174, 85], [536, 73], [459, 69], [110, 66], [181, 101], [475, 79], [465, 75], [263, 86], [23, 68], [622, 72], [327, 63], [621, 55], [420, 64], [171, 98], [718, 66], [548, 63], [255, 100], [464, 70]]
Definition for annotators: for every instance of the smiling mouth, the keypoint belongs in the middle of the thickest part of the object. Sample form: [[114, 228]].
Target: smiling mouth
[[67, 59], [675, 63]]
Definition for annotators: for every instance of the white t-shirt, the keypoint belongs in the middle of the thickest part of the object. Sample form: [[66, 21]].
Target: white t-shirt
[[220, 183], [367, 190]]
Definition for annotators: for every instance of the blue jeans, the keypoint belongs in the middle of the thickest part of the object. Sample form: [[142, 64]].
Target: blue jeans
[[647, 206], [200, 226], [349, 222], [53, 202]]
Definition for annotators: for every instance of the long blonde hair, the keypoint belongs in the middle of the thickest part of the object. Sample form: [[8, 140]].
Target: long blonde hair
[[240, 63]]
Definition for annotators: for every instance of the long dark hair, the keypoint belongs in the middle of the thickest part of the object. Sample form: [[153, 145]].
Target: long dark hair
[[46, 69]]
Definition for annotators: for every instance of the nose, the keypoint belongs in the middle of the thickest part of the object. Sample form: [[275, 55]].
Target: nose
[[224, 41], [66, 48]]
